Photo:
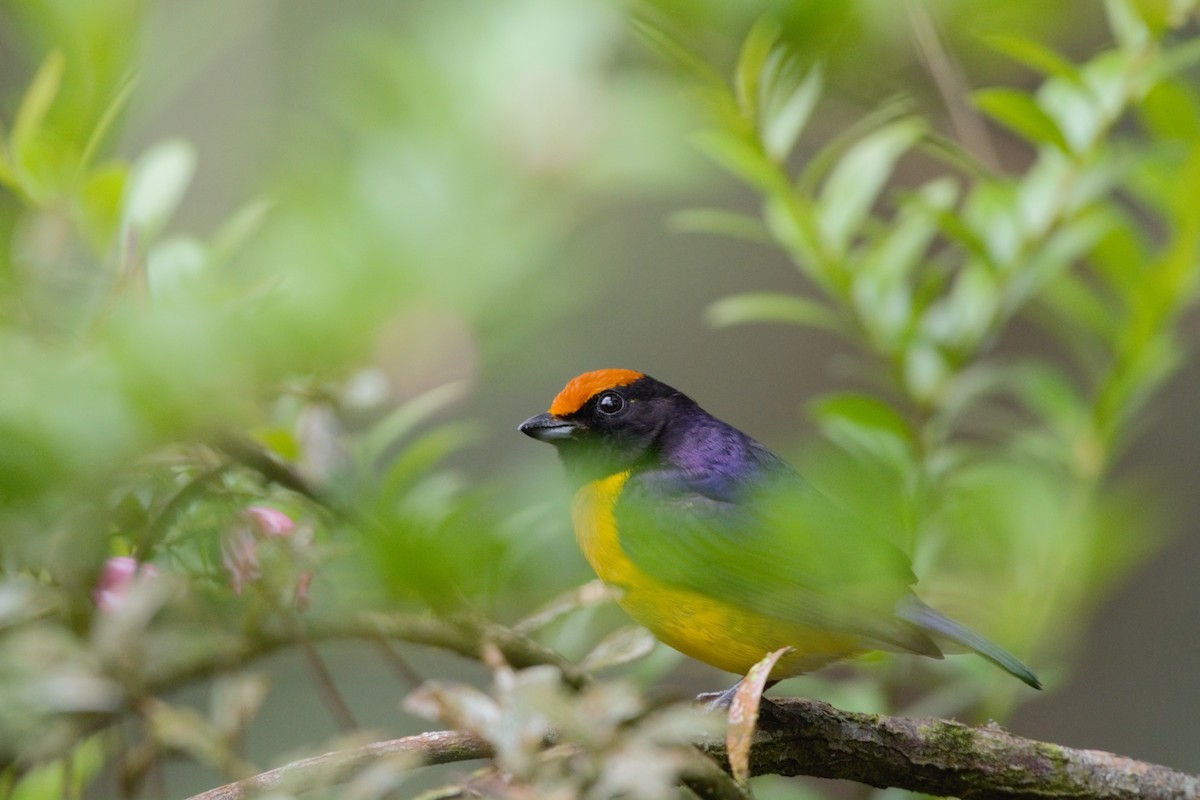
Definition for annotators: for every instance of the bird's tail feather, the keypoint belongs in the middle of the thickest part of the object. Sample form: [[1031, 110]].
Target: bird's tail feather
[[933, 622]]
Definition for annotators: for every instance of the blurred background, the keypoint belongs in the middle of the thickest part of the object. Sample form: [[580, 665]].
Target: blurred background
[[483, 195]]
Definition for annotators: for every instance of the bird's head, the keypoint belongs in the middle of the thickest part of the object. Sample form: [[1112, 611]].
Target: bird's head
[[606, 421]]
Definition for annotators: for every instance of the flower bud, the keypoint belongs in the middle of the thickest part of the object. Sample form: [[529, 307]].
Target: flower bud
[[117, 579], [271, 521]]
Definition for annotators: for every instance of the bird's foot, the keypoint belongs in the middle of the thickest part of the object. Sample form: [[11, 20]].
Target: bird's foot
[[770, 715]]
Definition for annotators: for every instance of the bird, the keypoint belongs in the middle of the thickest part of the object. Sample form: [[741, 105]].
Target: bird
[[722, 549]]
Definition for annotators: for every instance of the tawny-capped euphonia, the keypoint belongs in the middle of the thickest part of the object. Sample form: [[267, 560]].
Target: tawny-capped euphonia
[[723, 550]]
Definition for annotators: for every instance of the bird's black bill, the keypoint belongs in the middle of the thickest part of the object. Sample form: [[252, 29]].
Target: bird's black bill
[[548, 428]]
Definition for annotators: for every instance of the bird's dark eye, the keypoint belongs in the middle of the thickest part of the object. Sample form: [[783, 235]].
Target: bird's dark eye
[[610, 403]]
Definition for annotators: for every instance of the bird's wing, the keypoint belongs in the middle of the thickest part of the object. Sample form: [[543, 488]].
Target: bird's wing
[[781, 549]]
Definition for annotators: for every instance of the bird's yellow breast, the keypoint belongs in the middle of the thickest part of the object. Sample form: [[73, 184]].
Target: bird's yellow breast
[[706, 628]]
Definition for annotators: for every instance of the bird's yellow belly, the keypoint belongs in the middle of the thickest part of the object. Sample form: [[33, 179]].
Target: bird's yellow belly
[[718, 633]]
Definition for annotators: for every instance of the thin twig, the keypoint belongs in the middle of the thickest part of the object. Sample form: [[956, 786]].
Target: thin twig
[[250, 454], [397, 662], [339, 709], [947, 76]]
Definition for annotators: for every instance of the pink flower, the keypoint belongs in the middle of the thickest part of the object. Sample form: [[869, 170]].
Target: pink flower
[[117, 579], [271, 521], [239, 554]]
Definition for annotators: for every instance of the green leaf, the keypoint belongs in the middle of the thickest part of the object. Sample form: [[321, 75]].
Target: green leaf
[[828, 156], [157, 184], [1127, 24], [7, 177], [590, 594], [238, 229], [1107, 77], [880, 285], [65, 777], [677, 54], [1184, 201], [962, 318], [773, 307], [27, 126], [863, 410], [1074, 112], [925, 371], [1152, 357], [1039, 193], [620, 647], [1170, 111], [1121, 257], [418, 458], [788, 104], [882, 282], [854, 184], [1074, 301], [755, 51], [105, 123], [885, 307], [903, 244], [722, 223], [395, 426], [1020, 113], [1033, 54], [950, 152], [1065, 246], [99, 200], [990, 214], [953, 226], [865, 425]]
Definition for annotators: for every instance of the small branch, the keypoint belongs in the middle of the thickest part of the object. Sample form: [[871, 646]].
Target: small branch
[[702, 775], [941, 757], [327, 688], [397, 662], [467, 635], [440, 747], [947, 76], [259, 459]]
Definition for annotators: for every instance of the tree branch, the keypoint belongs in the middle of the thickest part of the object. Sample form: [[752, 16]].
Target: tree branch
[[808, 737], [426, 749], [940, 757], [440, 747]]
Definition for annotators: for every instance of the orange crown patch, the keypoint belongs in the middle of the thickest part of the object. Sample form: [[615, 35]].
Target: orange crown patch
[[582, 388]]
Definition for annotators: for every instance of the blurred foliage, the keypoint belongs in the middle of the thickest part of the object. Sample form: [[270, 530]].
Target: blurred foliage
[[179, 378], [1001, 464], [607, 741]]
